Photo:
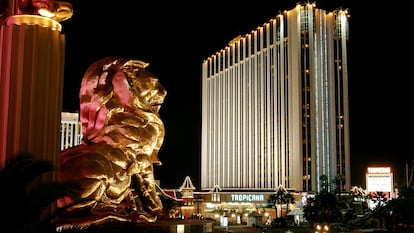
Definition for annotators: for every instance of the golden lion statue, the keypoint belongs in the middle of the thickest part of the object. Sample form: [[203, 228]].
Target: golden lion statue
[[122, 134]]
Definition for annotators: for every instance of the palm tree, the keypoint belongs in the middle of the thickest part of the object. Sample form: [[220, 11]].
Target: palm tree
[[339, 180], [324, 206], [277, 198], [290, 199], [28, 203], [281, 197], [324, 183]]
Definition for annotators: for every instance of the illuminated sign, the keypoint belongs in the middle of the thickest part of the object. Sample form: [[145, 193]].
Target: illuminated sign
[[379, 179], [379, 183], [247, 197], [379, 170]]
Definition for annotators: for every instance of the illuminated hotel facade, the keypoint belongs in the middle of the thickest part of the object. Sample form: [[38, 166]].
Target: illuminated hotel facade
[[70, 130], [275, 105]]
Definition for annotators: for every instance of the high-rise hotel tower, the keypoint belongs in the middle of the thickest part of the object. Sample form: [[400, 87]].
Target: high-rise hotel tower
[[275, 105]]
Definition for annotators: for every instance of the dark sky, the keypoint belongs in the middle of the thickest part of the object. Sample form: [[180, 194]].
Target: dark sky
[[175, 37]]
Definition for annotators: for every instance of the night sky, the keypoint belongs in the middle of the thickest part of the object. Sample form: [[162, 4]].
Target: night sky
[[175, 37]]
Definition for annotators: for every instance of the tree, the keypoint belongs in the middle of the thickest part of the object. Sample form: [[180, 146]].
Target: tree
[[280, 198], [310, 210], [169, 205], [324, 183], [399, 211], [324, 206], [27, 203], [290, 199], [339, 180], [406, 206]]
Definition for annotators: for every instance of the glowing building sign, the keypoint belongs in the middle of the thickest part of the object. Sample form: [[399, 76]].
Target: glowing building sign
[[384, 170], [247, 197]]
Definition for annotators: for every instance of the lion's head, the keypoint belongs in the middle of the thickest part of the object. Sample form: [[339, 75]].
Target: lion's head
[[119, 103]]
